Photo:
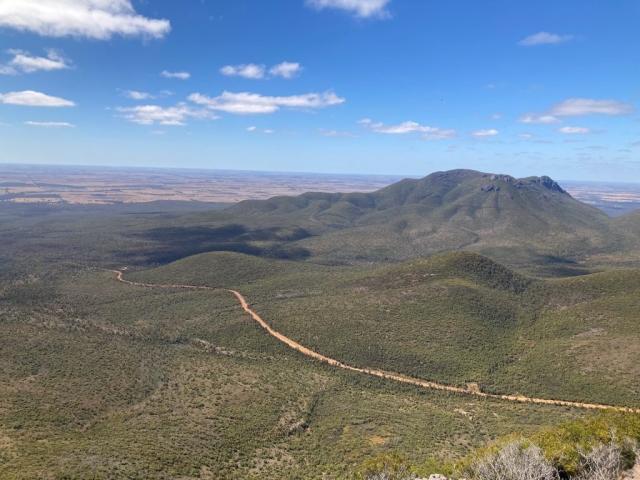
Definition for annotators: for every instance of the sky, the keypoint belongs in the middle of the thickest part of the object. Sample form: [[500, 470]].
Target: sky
[[403, 87]]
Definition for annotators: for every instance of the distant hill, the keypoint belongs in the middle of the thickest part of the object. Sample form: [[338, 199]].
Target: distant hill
[[514, 220]]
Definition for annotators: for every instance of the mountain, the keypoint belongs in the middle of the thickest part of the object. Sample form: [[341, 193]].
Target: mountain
[[516, 221]]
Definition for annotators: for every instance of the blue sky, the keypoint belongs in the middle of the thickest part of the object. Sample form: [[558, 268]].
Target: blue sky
[[401, 87]]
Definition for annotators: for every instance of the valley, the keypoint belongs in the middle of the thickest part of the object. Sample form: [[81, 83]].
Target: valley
[[426, 319]]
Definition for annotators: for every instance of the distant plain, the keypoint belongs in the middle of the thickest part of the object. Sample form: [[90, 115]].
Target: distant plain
[[110, 185]]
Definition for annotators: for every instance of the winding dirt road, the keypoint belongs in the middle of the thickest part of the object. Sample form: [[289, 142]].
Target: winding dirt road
[[377, 373]]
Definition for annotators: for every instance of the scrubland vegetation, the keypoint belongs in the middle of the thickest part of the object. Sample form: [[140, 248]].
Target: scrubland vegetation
[[102, 380]]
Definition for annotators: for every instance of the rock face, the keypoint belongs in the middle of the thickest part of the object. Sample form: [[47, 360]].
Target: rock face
[[550, 184]]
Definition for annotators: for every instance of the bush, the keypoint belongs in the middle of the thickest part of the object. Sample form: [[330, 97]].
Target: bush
[[386, 466], [604, 462], [514, 461]]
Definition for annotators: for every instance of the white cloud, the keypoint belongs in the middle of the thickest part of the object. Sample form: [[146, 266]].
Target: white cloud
[[158, 132], [137, 95], [587, 106], [544, 38], [526, 135], [34, 99], [253, 103], [496, 116], [539, 118], [485, 133], [576, 130], [251, 129], [166, 93], [172, 116], [286, 70], [428, 133], [50, 124], [336, 133], [361, 8], [24, 62], [256, 72], [178, 75], [268, 132], [249, 70], [97, 19]]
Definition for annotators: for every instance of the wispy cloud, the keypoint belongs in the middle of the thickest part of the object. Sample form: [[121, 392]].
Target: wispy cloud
[[51, 124], [491, 86], [545, 38], [97, 19], [137, 95], [30, 98], [286, 70], [246, 103], [256, 71], [574, 107], [172, 116], [251, 129], [360, 8], [24, 62], [496, 116], [178, 75], [250, 70], [526, 135], [588, 106], [427, 132], [577, 130], [485, 133], [540, 118], [336, 133]]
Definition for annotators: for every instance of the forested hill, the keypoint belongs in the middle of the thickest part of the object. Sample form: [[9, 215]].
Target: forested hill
[[516, 221]]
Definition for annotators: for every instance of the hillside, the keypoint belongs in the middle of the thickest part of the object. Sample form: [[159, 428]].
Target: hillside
[[517, 221], [103, 380], [454, 318], [187, 384]]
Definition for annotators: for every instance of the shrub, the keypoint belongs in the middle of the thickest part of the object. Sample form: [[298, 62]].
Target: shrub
[[514, 461], [604, 462]]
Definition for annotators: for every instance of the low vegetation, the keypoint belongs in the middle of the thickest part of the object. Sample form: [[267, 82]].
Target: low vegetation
[[599, 448], [102, 380]]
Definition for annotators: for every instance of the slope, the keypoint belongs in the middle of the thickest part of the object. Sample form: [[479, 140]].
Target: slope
[[514, 220], [458, 318]]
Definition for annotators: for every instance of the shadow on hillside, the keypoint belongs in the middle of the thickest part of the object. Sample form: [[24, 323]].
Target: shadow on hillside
[[173, 243], [559, 267]]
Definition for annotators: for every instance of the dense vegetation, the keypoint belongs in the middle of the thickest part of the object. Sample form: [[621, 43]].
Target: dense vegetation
[[102, 380], [595, 448], [454, 318]]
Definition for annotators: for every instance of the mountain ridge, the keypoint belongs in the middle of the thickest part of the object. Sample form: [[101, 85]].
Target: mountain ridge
[[513, 220]]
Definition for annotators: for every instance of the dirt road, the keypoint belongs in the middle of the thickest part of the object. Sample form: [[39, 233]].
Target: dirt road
[[378, 373]]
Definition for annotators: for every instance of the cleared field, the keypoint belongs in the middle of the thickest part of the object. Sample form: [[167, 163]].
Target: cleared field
[[102, 185]]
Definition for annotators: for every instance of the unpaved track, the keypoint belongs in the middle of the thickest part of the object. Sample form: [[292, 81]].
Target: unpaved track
[[377, 373]]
